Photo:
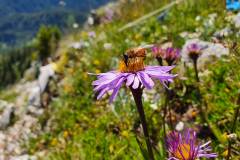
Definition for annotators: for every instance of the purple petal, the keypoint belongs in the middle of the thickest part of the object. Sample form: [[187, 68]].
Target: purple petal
[[109, 83], [146, 80], [208, 155], [172, 158], [102, 93], [105, 78], [161, 76], [160, 68], [135, 82], [116, 89], [130, 79]]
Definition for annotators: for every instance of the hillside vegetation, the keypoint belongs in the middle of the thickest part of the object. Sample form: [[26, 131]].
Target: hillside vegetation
[[204, 97]]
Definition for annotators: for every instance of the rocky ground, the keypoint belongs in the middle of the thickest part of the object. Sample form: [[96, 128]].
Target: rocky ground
[[19, 119]]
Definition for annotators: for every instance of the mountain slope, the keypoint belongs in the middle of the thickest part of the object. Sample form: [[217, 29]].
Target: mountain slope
[[21, 19]]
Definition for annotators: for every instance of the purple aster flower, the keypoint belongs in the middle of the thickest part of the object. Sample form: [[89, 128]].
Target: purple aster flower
[[170, 55], [194, 50], [185, 147], [133, 73], [157, 51]]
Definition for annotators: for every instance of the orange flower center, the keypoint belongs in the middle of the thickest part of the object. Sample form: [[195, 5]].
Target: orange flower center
[[183, 152], [132, 65]]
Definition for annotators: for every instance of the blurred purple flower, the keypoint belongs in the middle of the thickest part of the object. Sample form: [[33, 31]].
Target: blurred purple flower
[[134, 74], [194, 50], [170, 55], [91, 34], [109, 14], [185, 147], [157, 51]]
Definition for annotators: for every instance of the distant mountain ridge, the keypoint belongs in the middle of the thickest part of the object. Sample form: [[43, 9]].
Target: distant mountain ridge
[[20, 19]]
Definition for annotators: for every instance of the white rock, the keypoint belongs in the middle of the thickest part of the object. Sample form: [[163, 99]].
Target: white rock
[[90, 21], [223, 33], [198, 18], [212, 16], [75, 25], [232, 136], [35, 111], [77, 45], [45, 73], [188, 35], [35, 96], [179, 126], [2, 157], [17, 150], [107, 46], [2, 142], [35, 93], [236, 20], [24, 157], [5, 117], [11, 147]]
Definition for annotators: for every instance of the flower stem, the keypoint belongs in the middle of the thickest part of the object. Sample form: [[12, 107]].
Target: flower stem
[[160, 62], [198, 90], [164, 117], [137, 95], [196, 70]]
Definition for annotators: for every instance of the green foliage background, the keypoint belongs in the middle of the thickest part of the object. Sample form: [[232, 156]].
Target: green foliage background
[[79, 127]]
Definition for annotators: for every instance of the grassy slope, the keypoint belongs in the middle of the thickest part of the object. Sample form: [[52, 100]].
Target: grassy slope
[[83, 128]]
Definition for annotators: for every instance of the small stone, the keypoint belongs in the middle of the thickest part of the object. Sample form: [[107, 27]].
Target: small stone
[[2, 157], [198, 18], [6, 116], [212, 16], [35, 110], [17, 150], [75, 25], [223, 33], [232, 136], [236, 20], [24, 157], [179, 126], [107, 46], [188, 35], [77, 45]]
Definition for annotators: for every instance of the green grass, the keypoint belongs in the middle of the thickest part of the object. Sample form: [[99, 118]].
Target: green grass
[[8, 95]]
